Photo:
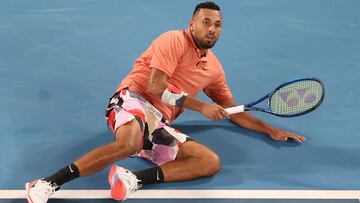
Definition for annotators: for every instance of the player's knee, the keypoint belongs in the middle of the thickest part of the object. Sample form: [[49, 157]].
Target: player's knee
[[212, 164], [125, 148], [128, 139]]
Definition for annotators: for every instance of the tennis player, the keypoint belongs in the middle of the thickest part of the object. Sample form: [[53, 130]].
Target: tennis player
[[164, 81]]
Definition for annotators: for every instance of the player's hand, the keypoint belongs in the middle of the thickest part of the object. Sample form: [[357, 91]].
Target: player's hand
[[281, 135], [214, 112]]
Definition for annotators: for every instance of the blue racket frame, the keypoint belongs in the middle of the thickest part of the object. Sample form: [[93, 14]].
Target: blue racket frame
[[251, 106]]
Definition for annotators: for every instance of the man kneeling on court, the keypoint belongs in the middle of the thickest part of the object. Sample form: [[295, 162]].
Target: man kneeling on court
[[164, 80]]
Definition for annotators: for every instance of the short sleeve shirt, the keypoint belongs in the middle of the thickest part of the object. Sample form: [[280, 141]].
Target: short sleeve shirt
[[175, 53]]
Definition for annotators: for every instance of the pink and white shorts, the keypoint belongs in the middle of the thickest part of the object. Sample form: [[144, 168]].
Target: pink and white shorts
[[161, 142]]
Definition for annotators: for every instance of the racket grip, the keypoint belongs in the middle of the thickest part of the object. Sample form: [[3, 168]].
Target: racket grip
[[236, 109]]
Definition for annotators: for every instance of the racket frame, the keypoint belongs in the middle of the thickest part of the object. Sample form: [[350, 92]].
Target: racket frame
[[251, 106]]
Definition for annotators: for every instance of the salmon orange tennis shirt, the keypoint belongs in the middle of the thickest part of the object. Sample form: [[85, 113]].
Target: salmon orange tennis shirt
[[176, 54]]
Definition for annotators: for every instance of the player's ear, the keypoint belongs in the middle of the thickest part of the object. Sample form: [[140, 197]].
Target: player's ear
[[191, 25]]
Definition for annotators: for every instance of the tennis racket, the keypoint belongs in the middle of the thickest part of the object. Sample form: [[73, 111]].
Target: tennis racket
[[290, 99]]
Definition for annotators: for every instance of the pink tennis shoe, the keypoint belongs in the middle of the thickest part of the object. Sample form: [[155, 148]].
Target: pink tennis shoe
[[122, 183]]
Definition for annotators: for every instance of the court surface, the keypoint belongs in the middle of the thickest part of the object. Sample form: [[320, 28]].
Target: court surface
[[61, 60]]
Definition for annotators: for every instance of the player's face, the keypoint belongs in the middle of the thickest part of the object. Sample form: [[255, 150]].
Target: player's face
[[206, 28]]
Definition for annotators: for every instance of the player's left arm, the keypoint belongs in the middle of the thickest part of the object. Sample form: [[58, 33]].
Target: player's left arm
[[246, 120]]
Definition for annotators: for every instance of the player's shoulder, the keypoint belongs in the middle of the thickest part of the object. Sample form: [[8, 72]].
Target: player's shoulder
[[173, 35]]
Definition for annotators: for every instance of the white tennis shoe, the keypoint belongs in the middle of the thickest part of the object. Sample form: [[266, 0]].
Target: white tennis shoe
[[39, 191]]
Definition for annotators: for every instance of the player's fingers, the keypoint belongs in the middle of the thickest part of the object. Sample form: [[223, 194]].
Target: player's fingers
[[301, 138], [224, 113], [213, 117], [296, 138], [216, 116], [220, 115]]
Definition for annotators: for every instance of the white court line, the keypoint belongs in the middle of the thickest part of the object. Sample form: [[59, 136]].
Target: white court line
[[198, 194]]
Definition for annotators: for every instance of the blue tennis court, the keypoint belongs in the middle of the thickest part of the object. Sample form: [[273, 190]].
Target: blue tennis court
[[60, 61]]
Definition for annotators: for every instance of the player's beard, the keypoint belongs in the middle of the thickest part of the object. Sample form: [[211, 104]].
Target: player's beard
[[207, 42]]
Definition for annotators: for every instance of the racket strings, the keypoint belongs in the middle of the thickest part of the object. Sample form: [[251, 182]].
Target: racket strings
[[296, 97]]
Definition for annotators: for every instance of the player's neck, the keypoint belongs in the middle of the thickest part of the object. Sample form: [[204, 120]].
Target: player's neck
[[203, 52]]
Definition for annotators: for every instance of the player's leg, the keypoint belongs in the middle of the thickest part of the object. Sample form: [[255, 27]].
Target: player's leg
[[178, 159], [194, 160], [128, 141]]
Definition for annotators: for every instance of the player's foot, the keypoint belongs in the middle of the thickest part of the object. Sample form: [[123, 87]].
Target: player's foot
[[122, 183], [39, 191]]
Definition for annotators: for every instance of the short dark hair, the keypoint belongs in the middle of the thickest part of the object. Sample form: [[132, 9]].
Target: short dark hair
[[209, 5]]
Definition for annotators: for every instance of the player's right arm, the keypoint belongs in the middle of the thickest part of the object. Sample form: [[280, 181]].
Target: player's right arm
[[159, 87]]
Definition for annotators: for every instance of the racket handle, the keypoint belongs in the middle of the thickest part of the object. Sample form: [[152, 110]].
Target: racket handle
[[236, 109]]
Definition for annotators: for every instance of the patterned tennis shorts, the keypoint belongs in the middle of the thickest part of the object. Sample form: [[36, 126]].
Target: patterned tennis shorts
[[161, 142]]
